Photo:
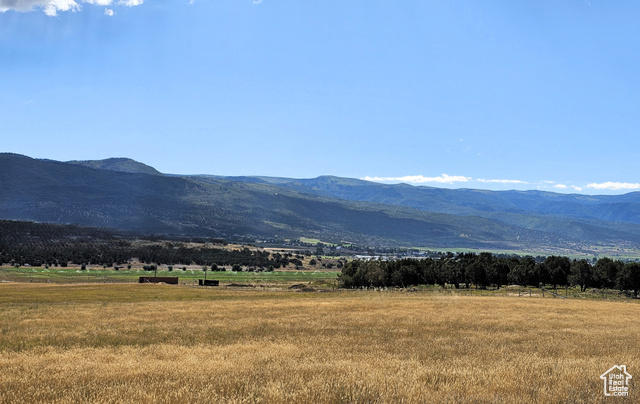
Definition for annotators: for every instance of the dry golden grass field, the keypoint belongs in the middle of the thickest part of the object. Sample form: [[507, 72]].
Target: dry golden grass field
[[130, 343]]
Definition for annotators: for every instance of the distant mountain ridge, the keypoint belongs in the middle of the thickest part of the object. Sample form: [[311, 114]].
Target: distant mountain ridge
[[618, 208], [126, 195], [121, 164]]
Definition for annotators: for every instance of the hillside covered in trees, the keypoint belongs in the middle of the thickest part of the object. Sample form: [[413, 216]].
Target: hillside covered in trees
[[38, 244], [125, 195]]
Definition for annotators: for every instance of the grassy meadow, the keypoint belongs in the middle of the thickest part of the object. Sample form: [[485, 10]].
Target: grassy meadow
[[188, 277], [122, 343]]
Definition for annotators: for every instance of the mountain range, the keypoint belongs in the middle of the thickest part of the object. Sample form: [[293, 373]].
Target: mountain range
[[127, 195]]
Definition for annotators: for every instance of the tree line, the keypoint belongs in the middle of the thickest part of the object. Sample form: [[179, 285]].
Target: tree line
[[484, 270], [55, 245], [123, 252]]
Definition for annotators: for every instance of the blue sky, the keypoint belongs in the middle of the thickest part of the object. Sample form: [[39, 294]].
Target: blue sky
[[474, 94]]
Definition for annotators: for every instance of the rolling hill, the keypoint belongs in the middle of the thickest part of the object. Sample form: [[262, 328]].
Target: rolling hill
[[127, 195]]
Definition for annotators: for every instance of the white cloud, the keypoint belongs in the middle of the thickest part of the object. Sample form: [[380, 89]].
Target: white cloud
[[257, 1], [52, 7], [614, 186], [542, 185], [419, 179], [99, 2], [503, 181], [108, 11]]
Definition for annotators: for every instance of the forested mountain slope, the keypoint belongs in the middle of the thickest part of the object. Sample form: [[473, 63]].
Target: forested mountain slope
[[329, 208]]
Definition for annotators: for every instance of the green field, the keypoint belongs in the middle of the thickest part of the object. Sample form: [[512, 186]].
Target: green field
[[75, 275]]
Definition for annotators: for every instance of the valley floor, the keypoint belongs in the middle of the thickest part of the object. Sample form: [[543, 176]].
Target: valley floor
[[173, 344]]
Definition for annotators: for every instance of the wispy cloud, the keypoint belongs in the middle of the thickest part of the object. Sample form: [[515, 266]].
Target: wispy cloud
[[420, 179], [130, 3], [614, 186], [52, 7], [108, 11], [503, 181], [442, 179], [99, 2]]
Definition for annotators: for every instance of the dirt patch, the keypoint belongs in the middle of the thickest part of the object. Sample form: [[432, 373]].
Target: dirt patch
[[302, 288]]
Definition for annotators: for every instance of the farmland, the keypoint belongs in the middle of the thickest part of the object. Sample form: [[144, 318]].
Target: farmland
[[189, 276], [160, 343]]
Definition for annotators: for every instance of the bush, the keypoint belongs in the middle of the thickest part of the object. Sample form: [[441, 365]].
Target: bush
[[236, 268]]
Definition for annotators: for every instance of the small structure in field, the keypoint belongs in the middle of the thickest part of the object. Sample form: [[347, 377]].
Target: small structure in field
[[208, 282], [172, 280]]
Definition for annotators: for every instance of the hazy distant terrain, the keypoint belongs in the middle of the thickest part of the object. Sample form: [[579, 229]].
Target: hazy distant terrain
[[127, 195]]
